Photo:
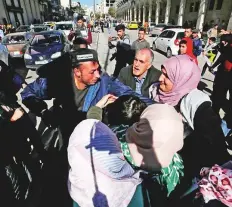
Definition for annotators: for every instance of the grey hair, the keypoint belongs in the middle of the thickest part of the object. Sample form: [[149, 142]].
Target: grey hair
[[151, 54]]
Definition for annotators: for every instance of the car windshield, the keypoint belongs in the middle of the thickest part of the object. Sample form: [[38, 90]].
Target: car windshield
[[133, 23], [64, 26], [39, 29], [45, 39], [14, 39]]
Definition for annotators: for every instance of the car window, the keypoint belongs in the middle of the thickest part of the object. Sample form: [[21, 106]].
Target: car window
[[64, 26], [164, 34], [180, 35], [170, 34], [45, 39], [39, 29], [13, 39]]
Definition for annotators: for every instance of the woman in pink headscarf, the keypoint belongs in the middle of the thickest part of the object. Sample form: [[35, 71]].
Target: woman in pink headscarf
[[178, 87]]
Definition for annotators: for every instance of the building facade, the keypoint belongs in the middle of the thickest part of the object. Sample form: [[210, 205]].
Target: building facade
[[198, 13], [105, 5], [19, 12]]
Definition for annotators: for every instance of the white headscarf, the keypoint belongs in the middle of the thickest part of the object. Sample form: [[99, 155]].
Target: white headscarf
[[99, 174]]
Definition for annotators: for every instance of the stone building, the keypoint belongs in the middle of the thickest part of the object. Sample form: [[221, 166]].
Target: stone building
[[19, 12], [196, 12]]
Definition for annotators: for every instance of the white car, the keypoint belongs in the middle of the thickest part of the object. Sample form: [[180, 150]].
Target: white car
[[168, 41], [65, 26]]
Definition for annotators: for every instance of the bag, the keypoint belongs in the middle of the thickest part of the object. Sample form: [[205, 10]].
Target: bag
[[52, 139], [20, 179]]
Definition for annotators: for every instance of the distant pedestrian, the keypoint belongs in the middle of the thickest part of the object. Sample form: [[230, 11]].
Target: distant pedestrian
[[1, 32], [197, 44], [102, 26]]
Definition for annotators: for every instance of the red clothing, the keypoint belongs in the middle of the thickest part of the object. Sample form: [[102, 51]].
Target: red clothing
[[189, 51], [88, 39]]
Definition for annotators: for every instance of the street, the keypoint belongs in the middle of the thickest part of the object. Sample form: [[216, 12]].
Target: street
[[100, 43]]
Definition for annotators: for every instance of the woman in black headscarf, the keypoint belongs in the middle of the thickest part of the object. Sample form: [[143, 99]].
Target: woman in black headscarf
[[19, 142]]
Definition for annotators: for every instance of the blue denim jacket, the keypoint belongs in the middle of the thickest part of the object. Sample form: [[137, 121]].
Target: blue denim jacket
[[106, 85]]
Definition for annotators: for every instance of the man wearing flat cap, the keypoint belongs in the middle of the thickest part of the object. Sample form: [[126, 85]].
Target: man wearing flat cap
[[76, 82]]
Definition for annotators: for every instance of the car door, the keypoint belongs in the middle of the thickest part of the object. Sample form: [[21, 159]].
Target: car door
[[160, 40], [168, 40]]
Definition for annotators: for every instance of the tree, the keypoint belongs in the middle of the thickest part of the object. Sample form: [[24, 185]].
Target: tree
[[97, 15], [112, 11]]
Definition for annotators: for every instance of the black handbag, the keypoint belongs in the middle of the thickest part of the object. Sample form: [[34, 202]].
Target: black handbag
[[52, 139]]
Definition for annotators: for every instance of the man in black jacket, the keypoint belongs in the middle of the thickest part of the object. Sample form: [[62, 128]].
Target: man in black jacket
[[123, 54], [142, 74]]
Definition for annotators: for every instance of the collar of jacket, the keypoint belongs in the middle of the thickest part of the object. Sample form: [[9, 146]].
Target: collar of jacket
[[90, 96]]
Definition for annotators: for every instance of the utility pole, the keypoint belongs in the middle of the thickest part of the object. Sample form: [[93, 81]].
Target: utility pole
[[94, 9]]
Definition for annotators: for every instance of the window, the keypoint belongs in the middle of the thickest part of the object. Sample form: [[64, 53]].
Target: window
[[211, 4], [8, 2], [46, 39], [191, 7], [180, 35], [14, 39], [161, 11], [16, 3], [164, 34], [177, 9], [219, 4], [170, 34], [197, 5]]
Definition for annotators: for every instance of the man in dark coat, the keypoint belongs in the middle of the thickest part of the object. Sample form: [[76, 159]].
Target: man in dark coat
[[142, 74]]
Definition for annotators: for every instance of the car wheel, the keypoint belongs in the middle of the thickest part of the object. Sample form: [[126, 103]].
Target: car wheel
[[154, 47], [169, 53]]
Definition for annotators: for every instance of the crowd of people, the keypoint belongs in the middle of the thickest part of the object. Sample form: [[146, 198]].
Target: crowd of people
[[142, 137]]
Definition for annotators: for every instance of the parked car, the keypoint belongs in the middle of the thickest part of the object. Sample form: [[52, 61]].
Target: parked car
[[17, 43], [23, 28], [132, 25], [157, 29], [45, 47], [65, 26], [168, 41], [42, 28], [50, 24], [151, 26], [4, 54]]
